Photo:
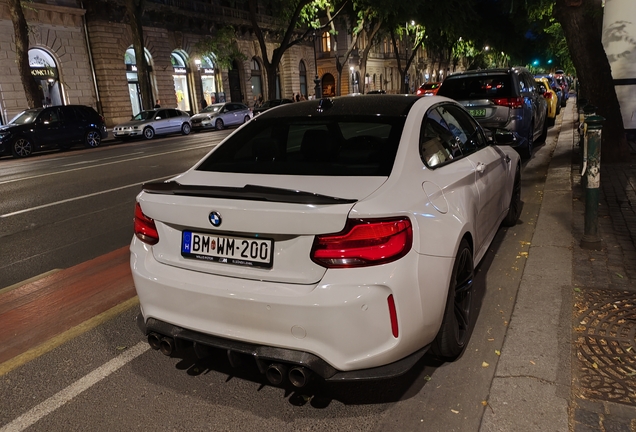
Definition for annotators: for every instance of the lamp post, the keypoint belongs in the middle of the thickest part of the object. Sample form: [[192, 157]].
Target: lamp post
[[317, 87]]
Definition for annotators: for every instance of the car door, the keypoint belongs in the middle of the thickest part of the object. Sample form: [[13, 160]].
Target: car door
[[233, 114], [74, 124], [175, 121], [161, 122], [490, 168], [49, 128]]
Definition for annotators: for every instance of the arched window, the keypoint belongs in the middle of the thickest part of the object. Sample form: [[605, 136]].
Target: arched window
[[133, 80], [302, 72], [180, 78], [256, 81], [208, 80], [44, 71]]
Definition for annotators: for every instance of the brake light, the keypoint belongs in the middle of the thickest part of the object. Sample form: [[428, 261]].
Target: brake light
[[145, 228], [547, 95], [363, 243], [509, 102]]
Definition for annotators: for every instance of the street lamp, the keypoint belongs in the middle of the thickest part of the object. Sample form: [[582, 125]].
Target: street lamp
[[317, 87]]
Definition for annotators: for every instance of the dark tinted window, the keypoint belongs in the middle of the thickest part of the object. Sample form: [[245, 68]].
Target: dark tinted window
[[173, 113], [477, 87], [324, 146]]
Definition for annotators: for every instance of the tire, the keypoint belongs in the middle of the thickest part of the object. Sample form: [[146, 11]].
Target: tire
[[514, 209], [92, 139], [558, 109], [21, 147], [452, 338], [149, 133], [218, 124], [246, 119], [186, 129], [526, 153], [551, 121]]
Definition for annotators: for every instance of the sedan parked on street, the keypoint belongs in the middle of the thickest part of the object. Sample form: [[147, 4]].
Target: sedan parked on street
[[218, 116], [551, 98], [149, 123], [52, 127], [336, 238], [502, 98]]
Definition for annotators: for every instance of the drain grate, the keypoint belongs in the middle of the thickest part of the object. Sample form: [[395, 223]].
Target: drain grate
[[605, 327]]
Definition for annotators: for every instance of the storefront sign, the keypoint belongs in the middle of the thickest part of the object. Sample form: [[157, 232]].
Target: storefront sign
[[44, 72], [207, 71], [179, 70]]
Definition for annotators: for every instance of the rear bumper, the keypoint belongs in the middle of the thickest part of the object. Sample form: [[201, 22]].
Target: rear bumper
[[265, 355]]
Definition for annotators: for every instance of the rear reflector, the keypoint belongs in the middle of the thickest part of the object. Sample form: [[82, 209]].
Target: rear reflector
[[364, 242], [393, 315], [509, 102], [144, 227]]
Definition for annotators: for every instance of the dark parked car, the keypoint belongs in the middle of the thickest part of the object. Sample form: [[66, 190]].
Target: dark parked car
[[270, 104], [52, 127], [502, 99]]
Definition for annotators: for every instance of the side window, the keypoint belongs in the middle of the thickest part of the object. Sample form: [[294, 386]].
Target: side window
[[435, 140], [162, 114], [173, 113], [522, 83], [49, 116], [467, 135]]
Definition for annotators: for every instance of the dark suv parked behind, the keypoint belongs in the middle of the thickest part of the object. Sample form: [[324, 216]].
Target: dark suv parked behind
[[52, 127], [502, 99]]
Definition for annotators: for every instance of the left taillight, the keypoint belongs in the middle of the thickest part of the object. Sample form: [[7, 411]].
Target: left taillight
[[363, 243], [145, 228]]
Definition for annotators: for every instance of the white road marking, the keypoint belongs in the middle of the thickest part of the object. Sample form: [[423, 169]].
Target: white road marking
[[82, 197], [87, 381], [104, 164], [99, 160]]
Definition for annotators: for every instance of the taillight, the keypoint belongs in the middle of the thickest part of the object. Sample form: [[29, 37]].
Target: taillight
[[547, 95], [145, 228], [364, 242], [419, 92], [509, 102]]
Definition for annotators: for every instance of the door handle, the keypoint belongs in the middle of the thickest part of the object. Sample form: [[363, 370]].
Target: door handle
[[480, 168]]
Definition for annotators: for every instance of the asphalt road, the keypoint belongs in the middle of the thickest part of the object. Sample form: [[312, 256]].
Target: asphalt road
[[108, 380]]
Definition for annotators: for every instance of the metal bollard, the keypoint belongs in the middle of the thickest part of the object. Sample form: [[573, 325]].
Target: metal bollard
[[592, 173]]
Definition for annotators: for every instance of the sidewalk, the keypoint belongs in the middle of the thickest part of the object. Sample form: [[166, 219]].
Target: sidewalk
[[569, 359]]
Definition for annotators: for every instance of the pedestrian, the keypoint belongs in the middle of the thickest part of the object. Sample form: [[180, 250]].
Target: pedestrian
[[302, 97], [158, 104], [297, 97]]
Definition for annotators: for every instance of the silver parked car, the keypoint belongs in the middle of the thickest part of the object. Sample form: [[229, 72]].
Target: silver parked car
[[159, 121], [220, 115], [502, 99]]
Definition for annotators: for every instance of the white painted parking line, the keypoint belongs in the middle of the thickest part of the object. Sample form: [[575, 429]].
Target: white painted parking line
[[6, 215], [87, 381], [103, 159]]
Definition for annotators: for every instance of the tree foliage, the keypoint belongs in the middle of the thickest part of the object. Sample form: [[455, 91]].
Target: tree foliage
[[221, 48]]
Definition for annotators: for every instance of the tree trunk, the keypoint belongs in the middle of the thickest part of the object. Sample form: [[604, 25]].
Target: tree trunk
[[582, 23], [21, 30], [365, 53], [135, 10]]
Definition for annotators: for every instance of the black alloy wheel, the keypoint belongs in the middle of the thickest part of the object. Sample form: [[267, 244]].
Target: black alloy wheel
[[21, 147], [453, 334], [218, 124], [514, 210], [92, 139], [149, 133]]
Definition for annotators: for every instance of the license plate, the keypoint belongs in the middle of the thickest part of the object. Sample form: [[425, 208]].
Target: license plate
[[249, 252], [477, 112]]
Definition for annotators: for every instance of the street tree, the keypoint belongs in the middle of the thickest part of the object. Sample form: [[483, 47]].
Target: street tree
[[134, 13], [297, 19], [21, 31]]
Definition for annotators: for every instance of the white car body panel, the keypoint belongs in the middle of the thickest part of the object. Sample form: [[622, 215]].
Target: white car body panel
[[340, 315]]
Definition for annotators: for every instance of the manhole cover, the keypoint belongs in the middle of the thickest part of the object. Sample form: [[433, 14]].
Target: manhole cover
[[605, 346]]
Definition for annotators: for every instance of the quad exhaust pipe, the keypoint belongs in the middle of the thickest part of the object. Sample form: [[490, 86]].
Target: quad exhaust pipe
[[276, 373], [298, 376]]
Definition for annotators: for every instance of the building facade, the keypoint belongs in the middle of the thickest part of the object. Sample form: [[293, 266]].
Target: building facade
[[82, 53]]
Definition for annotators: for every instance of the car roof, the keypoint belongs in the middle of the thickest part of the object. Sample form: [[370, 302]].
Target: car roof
[[384, 105]]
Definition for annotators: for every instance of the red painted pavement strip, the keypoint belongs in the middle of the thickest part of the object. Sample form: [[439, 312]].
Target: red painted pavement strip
[[37, 311]]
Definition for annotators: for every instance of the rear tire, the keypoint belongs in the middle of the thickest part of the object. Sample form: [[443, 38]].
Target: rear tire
[[186, 129], [544, 132], [92, 138], [514, 210], [526, 152], [452, 338]]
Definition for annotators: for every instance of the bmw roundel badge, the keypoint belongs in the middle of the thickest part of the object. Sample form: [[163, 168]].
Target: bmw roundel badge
[[215, 218]]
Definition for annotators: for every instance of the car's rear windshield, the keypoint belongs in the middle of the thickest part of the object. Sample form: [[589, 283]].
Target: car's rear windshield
[[477, 87], [318, 146]]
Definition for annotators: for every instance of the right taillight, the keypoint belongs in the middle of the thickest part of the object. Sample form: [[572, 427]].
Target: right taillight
[[145, 228], [516, 102], [364, 242]]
